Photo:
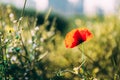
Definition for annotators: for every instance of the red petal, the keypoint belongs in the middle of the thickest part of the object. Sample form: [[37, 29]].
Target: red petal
[[77, 36]]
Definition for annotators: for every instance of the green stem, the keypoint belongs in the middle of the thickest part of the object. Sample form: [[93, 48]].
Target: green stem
[[23, 8], [26, 51], [83, 56], [19, 29], [22, 13]]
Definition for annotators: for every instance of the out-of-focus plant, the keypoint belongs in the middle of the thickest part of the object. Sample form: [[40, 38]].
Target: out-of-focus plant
[[23, 45]]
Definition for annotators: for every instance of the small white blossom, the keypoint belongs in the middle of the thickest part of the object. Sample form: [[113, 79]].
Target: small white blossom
[[36, 28], [10, 49], [7, 55], [95, 79], [11, 15], [26, 78], [76, 70], [29, 41], [34, 46], [14, 21], [6, 40], [20, 18], [13, 58], [42, 39], [25, 74], [49, 34], [32, 32]]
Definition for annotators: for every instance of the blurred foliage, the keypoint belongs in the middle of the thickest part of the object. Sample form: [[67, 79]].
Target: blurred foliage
[[33, 51]]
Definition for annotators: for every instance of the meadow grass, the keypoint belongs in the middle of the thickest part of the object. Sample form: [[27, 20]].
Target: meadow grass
[[35, 52]]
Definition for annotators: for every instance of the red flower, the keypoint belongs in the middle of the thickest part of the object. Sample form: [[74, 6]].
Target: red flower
[[77, 36]]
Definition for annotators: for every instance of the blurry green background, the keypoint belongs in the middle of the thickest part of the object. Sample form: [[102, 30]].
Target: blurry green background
[[43, 29]]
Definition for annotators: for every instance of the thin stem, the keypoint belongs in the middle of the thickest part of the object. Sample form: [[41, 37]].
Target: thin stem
[[83, 56], [19, 25], [22, 13], [24, 47], [19, 22], [23, 8], [47, 15], [81, 64], [87, 56]]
